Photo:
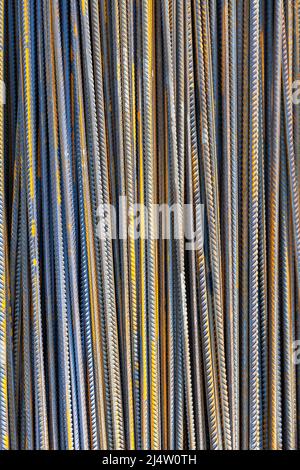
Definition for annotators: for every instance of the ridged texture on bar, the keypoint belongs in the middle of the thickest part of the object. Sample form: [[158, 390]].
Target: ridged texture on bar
[[128, 130]]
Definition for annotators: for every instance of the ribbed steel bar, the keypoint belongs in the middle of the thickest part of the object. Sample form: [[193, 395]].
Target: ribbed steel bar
[[149, 224], [41, 422], [254, 379], [274, 366], [152, 307]]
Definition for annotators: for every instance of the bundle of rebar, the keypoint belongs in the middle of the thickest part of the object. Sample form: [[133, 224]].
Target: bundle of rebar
[[114, 340]]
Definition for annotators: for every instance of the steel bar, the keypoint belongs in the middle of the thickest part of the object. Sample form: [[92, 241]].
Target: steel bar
[[149, 224]]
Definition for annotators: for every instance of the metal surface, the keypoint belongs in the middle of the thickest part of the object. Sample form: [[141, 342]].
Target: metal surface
[[126, 342]]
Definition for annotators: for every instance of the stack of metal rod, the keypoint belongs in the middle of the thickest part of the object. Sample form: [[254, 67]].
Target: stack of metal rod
[[118, 341]]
